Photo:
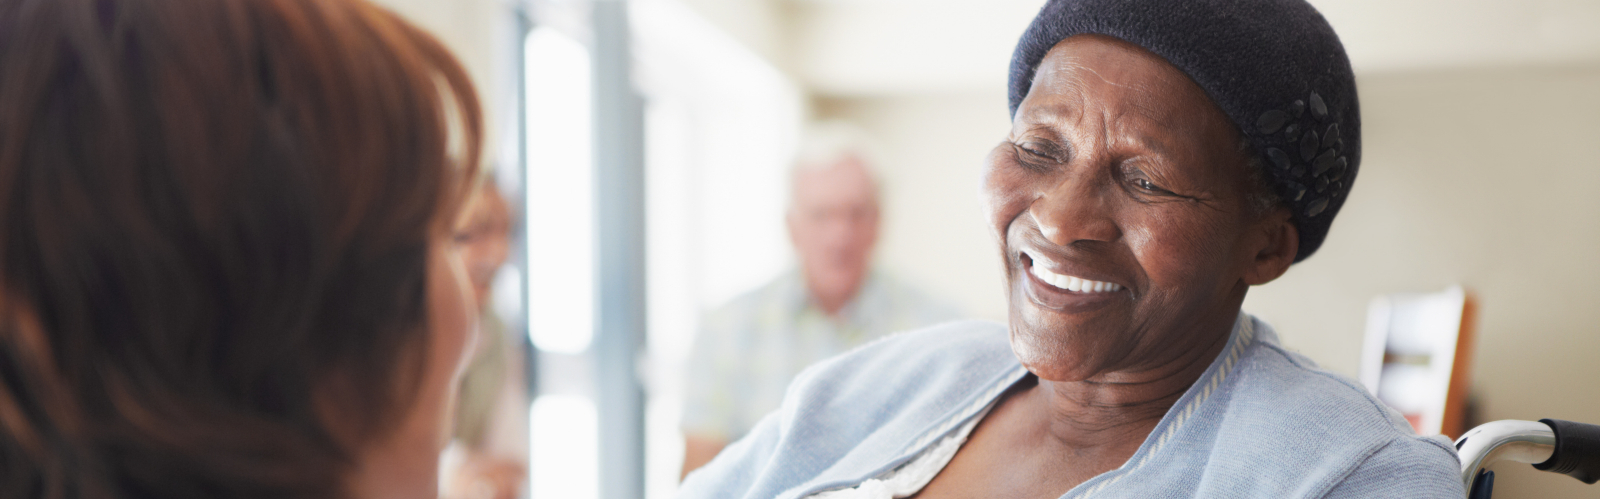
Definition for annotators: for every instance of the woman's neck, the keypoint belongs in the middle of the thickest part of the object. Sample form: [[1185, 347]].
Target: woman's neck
[[402, 473], [1118, 410]]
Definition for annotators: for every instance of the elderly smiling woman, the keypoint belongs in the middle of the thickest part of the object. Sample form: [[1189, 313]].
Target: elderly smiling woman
[[1164, 156]]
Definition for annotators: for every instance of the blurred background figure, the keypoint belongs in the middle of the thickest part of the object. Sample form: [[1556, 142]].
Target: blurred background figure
[[749, 349], [488, 457]]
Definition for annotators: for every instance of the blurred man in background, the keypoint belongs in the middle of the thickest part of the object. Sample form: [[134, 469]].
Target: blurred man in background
[[748, 350], [488, 457]]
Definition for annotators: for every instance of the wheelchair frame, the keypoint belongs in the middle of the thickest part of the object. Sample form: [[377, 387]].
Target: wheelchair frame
[[1552, 445]]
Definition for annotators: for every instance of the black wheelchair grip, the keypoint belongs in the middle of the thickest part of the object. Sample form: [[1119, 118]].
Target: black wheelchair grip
[[1577, 452]]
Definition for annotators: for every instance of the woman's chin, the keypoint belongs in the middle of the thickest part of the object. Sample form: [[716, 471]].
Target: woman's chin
[[1059, 369], [1062, 353]]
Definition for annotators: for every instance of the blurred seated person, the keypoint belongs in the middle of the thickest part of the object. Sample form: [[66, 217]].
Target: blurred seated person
[[226, 257], [749, 349], [488, 459]]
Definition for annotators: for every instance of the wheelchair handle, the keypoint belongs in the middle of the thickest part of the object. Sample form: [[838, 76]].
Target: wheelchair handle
[[1577, 452], [1552, 445], [1509, 440]]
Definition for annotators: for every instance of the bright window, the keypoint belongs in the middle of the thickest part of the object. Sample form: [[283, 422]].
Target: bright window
[[560, 204]]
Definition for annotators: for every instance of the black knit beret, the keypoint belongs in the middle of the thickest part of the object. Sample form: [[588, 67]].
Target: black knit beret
[[1274, 66]]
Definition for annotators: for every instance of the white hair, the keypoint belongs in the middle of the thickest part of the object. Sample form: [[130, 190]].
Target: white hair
[[825, 144]]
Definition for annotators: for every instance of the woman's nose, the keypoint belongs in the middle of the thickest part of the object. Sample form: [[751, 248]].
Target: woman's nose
[[1075, 209]]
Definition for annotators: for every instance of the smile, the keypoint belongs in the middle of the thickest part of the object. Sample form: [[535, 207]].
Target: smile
[[1070, 283]]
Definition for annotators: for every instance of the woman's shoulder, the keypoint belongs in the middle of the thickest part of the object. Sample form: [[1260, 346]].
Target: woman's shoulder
[[1298, 387], [1325, 425]]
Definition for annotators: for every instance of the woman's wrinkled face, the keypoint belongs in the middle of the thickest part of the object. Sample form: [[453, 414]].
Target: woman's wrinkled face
[[1119, 198]]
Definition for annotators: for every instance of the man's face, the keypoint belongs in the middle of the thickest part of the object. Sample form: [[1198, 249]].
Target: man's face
[[833, 223], [483, 236]]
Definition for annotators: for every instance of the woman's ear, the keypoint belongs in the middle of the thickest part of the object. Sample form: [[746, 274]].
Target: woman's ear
[[1279, 243]]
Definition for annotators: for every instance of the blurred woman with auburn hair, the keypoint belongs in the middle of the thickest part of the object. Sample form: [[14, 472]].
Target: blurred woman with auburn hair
[[225, 259]]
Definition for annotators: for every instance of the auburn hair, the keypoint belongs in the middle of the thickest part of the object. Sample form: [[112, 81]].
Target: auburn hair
[[215, 217]]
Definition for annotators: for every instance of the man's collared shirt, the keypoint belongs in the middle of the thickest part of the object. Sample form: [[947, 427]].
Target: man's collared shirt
[[749, 349]]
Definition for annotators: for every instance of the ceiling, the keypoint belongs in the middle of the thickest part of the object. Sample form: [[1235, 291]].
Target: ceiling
[[870, 47]]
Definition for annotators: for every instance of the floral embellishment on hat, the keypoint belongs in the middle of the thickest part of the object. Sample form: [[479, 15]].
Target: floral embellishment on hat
[[1314, 164]]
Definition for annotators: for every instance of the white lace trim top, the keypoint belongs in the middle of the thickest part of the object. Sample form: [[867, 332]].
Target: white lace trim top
[[910, 478]]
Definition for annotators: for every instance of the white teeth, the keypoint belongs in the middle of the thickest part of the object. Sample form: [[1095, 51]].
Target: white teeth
[[1069, 283]]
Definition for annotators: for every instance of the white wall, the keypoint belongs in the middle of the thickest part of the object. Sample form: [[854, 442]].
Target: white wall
[[1409, 35], [761, 26], [896, 47], [1487, 178]]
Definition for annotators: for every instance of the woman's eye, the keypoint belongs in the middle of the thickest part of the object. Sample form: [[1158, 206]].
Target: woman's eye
[[1146, 185], [1036, 156]]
